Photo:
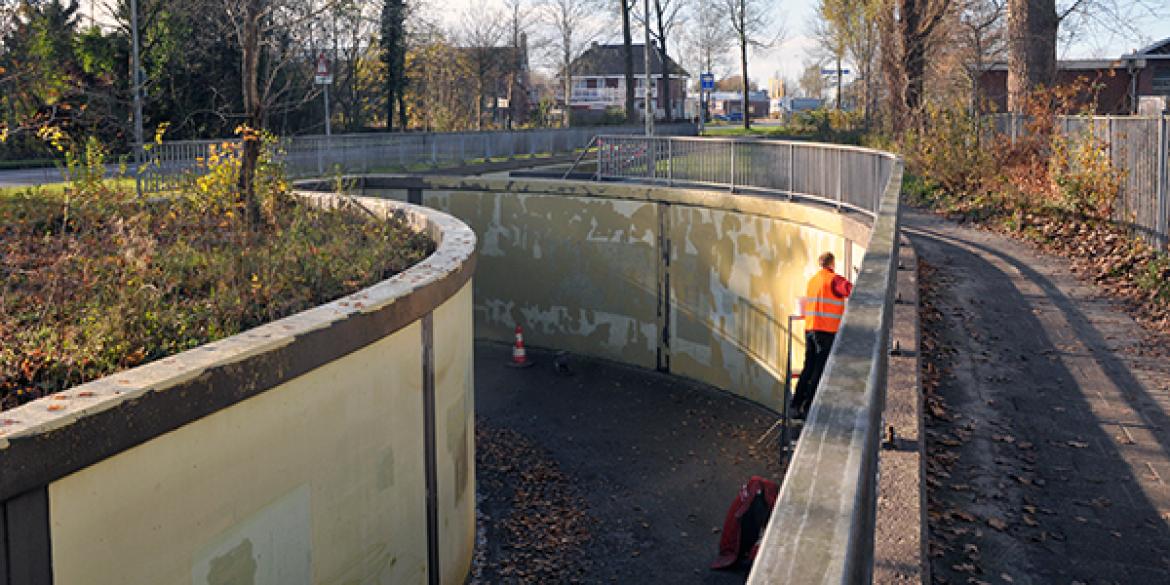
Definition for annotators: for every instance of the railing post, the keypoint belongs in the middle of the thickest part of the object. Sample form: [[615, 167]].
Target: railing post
[[791, 170], [1163, 207], [669, 161], [320, 157], [732, 143], [840, 181]]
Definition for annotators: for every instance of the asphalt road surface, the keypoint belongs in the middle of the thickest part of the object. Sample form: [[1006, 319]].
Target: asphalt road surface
[[611, 474], [1047, 453]]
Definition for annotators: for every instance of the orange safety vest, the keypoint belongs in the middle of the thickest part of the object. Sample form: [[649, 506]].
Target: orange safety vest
[[823, 308]]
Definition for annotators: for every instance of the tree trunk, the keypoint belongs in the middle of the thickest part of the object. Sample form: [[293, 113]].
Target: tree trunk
[[743, 62], [253, 109], [394, 58], [1032, 27], [628, 46], [401, 109], [567, 114], [915, 64], [664, 75], [838, 81]]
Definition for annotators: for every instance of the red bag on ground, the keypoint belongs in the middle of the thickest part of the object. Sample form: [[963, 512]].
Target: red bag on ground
[[746, 519]]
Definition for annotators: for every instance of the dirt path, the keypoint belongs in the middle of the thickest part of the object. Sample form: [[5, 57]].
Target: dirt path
[[1048, 419], [610, 475]]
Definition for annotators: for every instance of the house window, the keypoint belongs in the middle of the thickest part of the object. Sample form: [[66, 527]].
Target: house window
[[611, 82], [1161, 79], [591, 83]]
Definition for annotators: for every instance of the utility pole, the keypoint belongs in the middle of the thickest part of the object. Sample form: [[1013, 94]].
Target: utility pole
[[136, 65], [648, 109]]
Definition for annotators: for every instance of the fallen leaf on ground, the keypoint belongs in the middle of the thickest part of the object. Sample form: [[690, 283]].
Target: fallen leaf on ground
[[964, 568], [997, 524]]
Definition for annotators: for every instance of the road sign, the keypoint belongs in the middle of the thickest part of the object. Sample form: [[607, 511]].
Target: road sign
[[323, 76], [707, 81], [834, 72]]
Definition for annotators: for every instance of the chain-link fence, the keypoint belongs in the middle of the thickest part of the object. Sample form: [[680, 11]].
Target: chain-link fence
[[1139, 146], [168, 164], [844, 176]]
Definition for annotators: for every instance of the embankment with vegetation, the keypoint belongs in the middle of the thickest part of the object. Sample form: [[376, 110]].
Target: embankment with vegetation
[[94, 279]]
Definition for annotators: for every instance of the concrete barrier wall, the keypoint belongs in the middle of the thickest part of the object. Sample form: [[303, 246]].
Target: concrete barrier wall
[[303, 451], [693, 282]]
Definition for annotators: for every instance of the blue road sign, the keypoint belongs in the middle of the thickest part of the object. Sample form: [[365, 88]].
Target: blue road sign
[[707, 81], [834, 72]]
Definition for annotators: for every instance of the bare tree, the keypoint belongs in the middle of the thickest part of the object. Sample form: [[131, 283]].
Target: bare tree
[[1034, 27], [273, 37], [482, 31], [982, 28], [907, 31], [349, 32], [628, 58], [831, 28], [667, 16], [812, 82], [574, 26], [750, 24], [708, 40], [519, 14]]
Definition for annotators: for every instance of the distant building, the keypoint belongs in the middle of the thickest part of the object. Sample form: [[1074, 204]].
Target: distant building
[[1122, 85], [599, 80], [776, 88], [725, 103], [511, 95]]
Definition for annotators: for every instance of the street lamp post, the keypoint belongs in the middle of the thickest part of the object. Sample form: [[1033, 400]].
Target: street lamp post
[[136, 65]]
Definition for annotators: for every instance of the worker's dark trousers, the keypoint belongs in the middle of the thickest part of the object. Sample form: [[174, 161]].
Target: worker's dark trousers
[[816, 353]]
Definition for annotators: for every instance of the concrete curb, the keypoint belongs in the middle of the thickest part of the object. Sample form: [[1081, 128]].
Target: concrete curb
[[900, 538]]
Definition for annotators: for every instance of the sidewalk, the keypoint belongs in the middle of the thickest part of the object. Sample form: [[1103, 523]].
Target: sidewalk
[[1048, 426]]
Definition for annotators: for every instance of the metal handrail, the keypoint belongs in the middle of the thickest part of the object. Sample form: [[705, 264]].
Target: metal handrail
[[643, 161]]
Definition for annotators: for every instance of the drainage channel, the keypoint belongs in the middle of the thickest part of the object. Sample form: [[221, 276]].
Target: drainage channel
[[595, 472]]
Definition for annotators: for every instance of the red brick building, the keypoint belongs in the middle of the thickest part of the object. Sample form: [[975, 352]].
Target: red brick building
[[1139, 80]]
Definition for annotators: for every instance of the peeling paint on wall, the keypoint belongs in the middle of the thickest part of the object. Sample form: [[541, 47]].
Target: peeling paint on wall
[[735, 279], [583, 273], [272, 547], [578, 273]]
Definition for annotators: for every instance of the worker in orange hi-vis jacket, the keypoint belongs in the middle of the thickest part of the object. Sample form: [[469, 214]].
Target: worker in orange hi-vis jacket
[[823, 309]]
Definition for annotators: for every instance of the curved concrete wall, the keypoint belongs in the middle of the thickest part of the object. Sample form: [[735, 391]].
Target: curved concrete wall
[[700, 283], [333, 446], [695, 282]]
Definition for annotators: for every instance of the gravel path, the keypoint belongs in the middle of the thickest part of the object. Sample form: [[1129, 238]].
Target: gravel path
[[1048, 431], [610, 475]]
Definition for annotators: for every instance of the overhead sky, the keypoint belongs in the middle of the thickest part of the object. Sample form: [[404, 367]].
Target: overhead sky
[[1103, 38]]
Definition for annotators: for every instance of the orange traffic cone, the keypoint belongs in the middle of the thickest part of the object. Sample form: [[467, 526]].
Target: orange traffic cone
[[519, 355]]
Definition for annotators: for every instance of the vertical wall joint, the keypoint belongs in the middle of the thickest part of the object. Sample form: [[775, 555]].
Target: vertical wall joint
[[429, 440]]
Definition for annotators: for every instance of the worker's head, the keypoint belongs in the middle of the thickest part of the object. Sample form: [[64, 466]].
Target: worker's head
[[827, 260]]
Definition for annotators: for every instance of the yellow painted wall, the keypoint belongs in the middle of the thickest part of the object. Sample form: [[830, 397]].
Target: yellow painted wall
[[579, 273], [454, 433], [317, 481], [578, 266], [734, 280]]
